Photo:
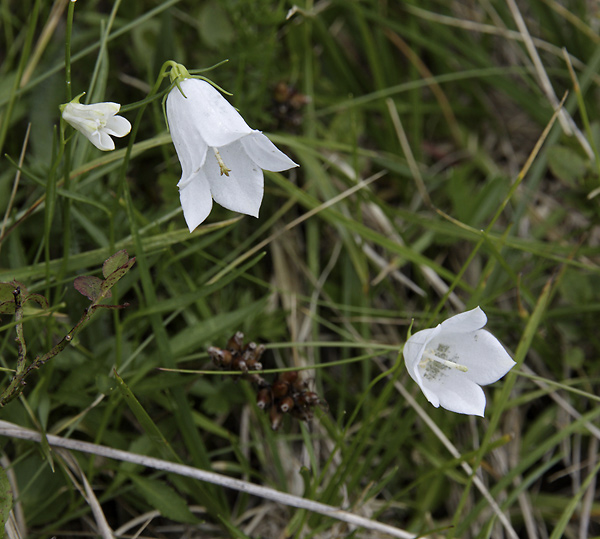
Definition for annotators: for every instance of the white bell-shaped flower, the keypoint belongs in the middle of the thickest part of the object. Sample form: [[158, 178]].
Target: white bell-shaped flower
[[451, 361], [221, 157], [98, 122]]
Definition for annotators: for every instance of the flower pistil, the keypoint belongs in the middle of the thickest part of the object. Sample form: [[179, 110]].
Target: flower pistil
[[222, 167]]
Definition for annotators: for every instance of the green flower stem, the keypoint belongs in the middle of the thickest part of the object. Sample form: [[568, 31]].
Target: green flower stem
[[50, 203], [215, 501], [70, 13], [67, 149]]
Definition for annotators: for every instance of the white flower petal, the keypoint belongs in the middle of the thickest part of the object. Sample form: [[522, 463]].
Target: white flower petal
[[118, 126], [97, 121], [413, 351], [451, 361], [485, 358], [265, 154], [189, 144], [211, 138], [216, 120], [78, 112], [457, 394], [467, 321], [102, 141], [196, 200], [243, 189], [107, 108]]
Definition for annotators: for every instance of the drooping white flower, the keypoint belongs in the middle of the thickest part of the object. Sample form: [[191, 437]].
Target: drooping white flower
[[221, 157], [98, 122], [451, 361]]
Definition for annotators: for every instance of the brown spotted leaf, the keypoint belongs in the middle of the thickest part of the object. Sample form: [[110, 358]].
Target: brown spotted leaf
[[90, 287]]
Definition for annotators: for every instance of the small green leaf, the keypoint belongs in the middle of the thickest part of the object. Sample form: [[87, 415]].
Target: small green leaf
[[113, 263], [38, 298], [105, 384], [575, 357], [214, 26], [90, 287], [566, 164], [7, 298], [6, 500], [148, 425], [7, 307], [163, 498], [235, 533], [6, 292], [119, 272]]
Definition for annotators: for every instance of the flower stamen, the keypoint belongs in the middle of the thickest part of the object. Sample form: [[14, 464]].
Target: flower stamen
[[222, 167], [430, 356]]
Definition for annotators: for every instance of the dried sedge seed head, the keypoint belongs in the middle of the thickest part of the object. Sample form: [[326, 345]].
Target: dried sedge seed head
[[221, 358], [280, 389], [264, 398], [286, 404], [260, 350], [236, 342], [276, 418], [308, 398], [290, 377], [288, 394], [256, 379]]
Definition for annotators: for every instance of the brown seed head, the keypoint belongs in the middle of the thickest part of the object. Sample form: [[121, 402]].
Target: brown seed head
[[280, 389], [263, 398], [286, 404], [276, 417], [236, 342]]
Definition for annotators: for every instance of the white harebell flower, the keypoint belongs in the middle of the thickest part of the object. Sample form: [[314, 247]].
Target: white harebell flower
[[220, 156], [97, 122], [451, 361]]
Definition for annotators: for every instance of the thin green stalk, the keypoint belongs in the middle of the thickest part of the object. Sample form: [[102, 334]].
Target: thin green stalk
[[353, 452], [50, 205], [103, 46], [66, 238], [6, 117]]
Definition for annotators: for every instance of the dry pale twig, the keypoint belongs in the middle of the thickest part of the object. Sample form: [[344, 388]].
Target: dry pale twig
[[566, 122], [14, 431], [74, 472]]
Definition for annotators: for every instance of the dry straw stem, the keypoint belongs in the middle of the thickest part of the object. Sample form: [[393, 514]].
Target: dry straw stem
[[513, 35], [78, 478], [14, 431], [566, 122]]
